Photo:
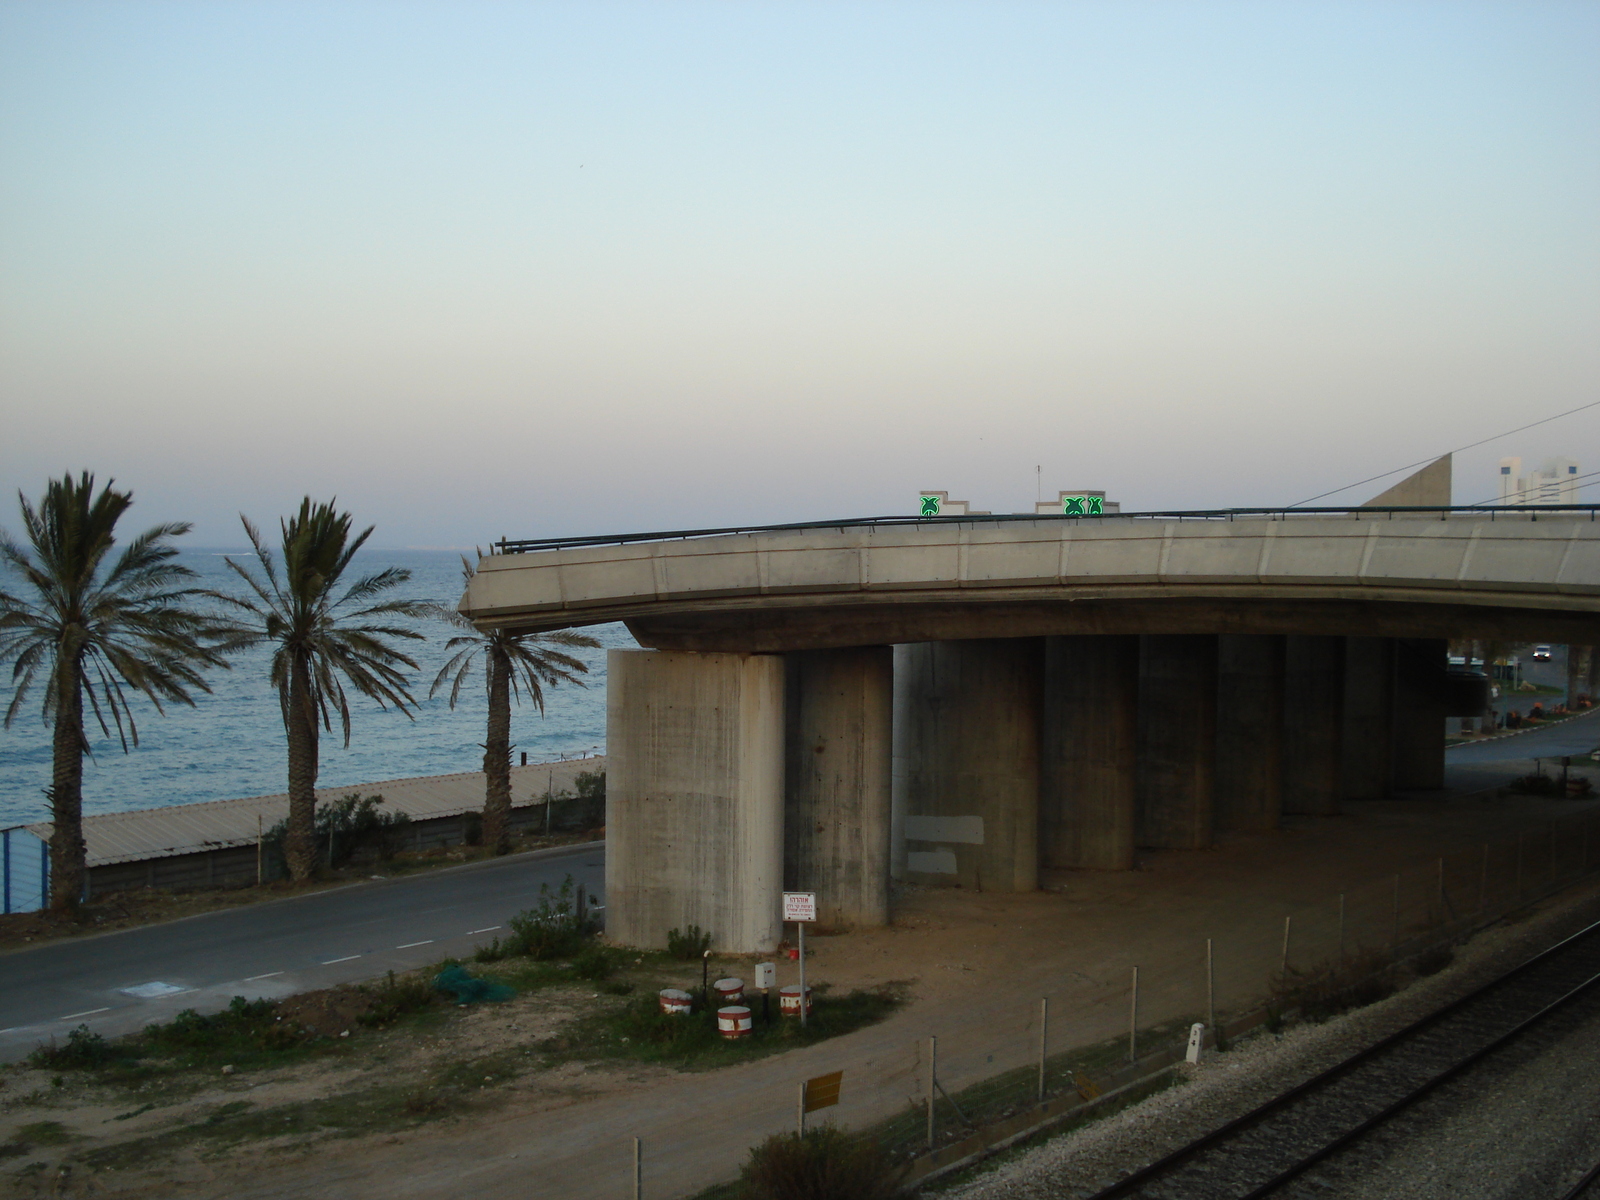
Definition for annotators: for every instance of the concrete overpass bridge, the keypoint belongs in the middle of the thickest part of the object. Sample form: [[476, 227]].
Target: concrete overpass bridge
[[968, 700]]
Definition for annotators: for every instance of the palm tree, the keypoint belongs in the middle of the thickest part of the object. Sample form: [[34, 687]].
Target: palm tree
[[91, 628], [512, 661], [319, 637]]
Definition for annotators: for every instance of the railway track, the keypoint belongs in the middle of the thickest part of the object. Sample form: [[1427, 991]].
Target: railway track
[[1264, 1151]]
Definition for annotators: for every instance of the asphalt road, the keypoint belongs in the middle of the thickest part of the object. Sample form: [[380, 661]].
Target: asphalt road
[[118, 982]]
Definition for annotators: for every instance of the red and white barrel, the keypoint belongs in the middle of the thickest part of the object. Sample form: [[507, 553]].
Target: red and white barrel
[[734, 1021], [676, 1001], [728, 991], [789, 1000]]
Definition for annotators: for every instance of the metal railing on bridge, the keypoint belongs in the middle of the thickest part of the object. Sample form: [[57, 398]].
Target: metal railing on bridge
[[1535, 511]]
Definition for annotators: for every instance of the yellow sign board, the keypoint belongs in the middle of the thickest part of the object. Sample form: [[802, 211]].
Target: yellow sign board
[[823, 1091]]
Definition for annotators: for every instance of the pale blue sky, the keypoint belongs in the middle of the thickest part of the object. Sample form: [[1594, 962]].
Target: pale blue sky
[[496, 268]]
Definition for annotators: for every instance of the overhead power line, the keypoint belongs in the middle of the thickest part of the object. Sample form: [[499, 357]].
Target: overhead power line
[[1422, 462]]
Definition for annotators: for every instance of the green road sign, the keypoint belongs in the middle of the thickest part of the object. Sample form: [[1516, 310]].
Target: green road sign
[[930, 506]]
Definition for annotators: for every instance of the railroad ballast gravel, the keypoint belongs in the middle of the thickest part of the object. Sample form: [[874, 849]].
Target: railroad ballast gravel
[[1226, 1086]]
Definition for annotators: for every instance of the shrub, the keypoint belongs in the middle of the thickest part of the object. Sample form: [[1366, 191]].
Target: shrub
[[344, 828], [550, 929], [1537, 784], [397, 998], [688, 944], [593, 962], [84, 1051], [821, 1164]]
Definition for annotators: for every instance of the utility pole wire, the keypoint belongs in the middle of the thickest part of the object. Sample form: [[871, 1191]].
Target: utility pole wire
[[1433, 458]]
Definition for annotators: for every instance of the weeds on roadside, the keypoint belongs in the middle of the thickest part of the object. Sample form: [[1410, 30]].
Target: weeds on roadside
[[638, 1029], [688, 944], [1327, 990], [820, 1164]]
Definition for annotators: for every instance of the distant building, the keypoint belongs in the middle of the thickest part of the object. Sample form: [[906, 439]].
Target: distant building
[[1553, 483]]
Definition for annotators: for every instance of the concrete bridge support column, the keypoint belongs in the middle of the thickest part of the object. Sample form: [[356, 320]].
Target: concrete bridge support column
[[1089, 752], [1368, 717], [1249, 783], [1419, 713], [836, 806], [1177, 740], [967, 720], [1313, 711], [694, 797]]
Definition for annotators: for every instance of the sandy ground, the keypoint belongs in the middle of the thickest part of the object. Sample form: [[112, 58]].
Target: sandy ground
[[976, 965]]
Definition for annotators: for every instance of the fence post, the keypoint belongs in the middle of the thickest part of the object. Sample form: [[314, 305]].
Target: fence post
[[638, 1169], [1285, 971], [800, 1104], [1211, 995], [1044, 1036], [1394, 938], [1133, 1018], [1341, 929], [933, 1066]]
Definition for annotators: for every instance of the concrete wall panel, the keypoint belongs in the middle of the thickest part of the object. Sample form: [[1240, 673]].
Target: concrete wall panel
[[694, 797], [1177, 741], [1368, 771], [1313, 737], [1249, 781], [967, 728], [1089, 752], [837, 807]]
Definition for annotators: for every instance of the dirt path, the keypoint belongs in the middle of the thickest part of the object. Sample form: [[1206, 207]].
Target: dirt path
[[977, 965]]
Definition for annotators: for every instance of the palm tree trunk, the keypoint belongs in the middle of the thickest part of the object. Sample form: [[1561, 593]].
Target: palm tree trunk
[[67, 851], [497, 753], [299, 843]]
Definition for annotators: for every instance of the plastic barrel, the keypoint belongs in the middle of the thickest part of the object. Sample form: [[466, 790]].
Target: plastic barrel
[[734, 1021], [676, 1001]]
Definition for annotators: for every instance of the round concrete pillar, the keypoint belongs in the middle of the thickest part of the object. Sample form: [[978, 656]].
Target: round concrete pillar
[[968, 730], [1177, 740], [1313, 721], [836, 803], [1368, 717], [1419, 713], [1088, 752], [1249, 782], [694, 797]]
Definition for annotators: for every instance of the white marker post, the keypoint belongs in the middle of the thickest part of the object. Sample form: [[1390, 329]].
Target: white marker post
[[801, 907]]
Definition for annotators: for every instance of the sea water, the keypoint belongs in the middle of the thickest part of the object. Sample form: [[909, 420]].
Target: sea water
[[231, 743]]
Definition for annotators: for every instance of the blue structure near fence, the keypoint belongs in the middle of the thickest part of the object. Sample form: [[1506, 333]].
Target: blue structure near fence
[[24, 870]]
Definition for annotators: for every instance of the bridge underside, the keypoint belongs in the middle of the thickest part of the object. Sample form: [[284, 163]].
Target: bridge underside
[[965, 703], [976, 762], [829, 624]]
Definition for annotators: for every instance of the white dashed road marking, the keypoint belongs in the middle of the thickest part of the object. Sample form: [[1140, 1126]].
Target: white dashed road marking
[[268, 975], [74, 1016], [491, 929], [329, 962], [408, 945]]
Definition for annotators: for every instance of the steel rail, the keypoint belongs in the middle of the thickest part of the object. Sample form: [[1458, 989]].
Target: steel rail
[[529, 545], [1582, 1185], [1164, 1165], [1406, 1101]]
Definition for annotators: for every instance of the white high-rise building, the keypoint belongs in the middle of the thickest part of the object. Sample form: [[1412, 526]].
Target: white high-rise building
[[1552, 483]]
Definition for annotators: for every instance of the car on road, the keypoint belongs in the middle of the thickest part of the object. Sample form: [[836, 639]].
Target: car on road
[[1541, 651]]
